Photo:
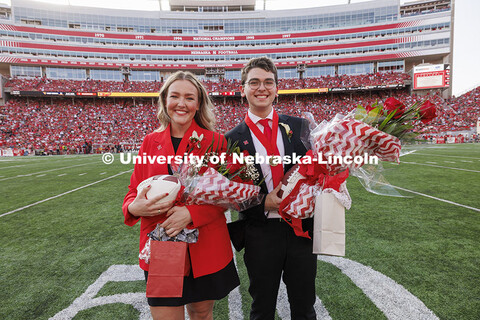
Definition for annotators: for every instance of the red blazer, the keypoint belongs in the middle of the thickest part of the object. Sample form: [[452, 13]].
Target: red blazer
[[213, 251]]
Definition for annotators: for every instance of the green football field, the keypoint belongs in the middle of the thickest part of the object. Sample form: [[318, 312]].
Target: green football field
[[412, 257]]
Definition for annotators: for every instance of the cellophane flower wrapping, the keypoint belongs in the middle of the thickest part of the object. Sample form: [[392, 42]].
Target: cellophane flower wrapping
[[304, 204], [342, 137], [213, 188], [345, 136]]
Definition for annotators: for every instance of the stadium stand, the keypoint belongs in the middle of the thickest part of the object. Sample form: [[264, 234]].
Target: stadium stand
[[85, 82], [343, 81], [52, 124]]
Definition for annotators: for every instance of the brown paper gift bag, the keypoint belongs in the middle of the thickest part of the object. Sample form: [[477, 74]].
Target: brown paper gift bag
[[169, 263], [328, 226]]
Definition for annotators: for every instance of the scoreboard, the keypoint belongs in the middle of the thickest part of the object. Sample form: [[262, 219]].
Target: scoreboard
[[431, 76]]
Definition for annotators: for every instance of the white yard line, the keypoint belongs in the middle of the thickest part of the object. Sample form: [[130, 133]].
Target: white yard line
[[20, 165], [440, 155], [431, 162], [449, 161], [102, 173], [432, 165], [41, 175], [34, 173], [81, 174], [391, 298], [63, 174], [62, 194], [466, 161], [438, 199]]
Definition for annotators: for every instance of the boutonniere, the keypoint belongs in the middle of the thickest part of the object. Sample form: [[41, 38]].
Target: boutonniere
[[195, 140], [288, 131]]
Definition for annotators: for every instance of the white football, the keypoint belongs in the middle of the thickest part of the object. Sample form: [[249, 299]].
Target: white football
[[161, 184]]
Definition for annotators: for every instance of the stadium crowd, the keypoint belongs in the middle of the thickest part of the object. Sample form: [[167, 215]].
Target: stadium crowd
[[343, 81], [77, 126], [44, 84], [455, 114]]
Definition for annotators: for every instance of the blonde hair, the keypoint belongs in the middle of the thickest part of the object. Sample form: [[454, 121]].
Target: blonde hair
[[204, 116]]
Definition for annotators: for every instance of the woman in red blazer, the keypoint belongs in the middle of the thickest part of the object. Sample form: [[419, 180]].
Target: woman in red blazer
[[184, 107]]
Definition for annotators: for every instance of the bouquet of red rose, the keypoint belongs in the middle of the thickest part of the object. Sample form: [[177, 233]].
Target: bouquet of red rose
[[375, 130], [221, 179], [371, 131]]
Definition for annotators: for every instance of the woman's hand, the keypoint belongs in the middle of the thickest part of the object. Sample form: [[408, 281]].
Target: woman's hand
[[177, 219], [143, 207]]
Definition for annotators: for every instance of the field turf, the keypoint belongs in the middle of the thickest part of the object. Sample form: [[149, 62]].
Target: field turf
[[61, 227]]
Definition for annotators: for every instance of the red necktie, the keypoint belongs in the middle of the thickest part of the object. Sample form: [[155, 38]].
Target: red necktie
[[267, 131], [277, 171]]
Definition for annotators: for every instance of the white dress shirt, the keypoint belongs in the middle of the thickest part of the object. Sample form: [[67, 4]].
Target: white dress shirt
[[266, 170]]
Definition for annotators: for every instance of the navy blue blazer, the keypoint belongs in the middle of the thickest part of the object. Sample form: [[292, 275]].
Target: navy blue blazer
[[293, 145]]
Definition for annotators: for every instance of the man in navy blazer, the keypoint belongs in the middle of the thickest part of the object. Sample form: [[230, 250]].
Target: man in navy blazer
[[272, 250]]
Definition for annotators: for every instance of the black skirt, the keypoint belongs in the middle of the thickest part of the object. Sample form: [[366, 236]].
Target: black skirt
[[213, 286]]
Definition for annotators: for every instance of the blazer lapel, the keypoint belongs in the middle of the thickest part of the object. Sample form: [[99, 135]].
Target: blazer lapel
[[245, 142]]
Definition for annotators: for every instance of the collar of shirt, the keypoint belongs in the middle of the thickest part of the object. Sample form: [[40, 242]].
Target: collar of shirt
[[256, 118]]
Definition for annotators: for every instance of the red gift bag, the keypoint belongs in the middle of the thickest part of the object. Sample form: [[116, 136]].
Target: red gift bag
[[169, 263]]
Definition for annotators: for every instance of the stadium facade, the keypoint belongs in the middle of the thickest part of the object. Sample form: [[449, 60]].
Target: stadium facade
[[214, 39]]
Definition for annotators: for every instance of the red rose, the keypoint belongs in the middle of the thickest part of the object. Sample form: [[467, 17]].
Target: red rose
[[427, 112], [232, 166], [392, 104], [237, 179], [369, 108]]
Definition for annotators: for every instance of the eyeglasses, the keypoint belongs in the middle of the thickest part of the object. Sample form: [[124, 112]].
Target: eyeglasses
[[255, 84]]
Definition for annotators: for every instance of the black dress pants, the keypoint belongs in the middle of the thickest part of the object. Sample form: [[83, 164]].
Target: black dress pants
[[270, 250]]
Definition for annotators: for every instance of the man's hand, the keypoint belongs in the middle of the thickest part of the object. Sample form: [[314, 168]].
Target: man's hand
[[272, 201]]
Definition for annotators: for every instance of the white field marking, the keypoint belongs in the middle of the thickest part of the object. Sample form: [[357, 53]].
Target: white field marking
[[61, 175], [235, 311], [390, 297], [34, 173], [449, 161], [62, 194], [41, 175], [430, 162], [406, 152], [439, 199], [20, 165], [30, 160], [432, 165], [115, 273], [396, 302], [81, 174], [102, 173], [443, 155], [466, 161]]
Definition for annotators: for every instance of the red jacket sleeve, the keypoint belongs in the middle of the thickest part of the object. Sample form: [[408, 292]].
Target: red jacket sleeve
[[205, 214]]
